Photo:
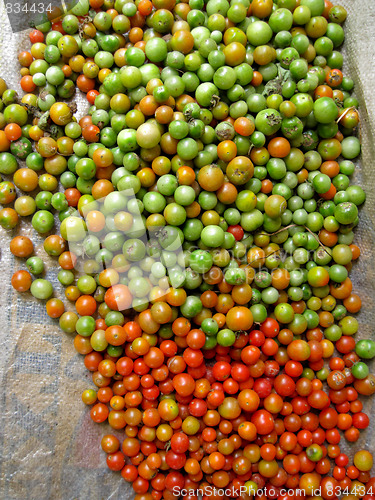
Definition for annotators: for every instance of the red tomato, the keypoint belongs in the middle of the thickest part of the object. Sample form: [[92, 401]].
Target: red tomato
[[237, 232], [263, 421]]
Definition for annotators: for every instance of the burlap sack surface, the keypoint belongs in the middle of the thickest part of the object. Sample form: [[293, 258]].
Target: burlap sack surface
[[49, 447]]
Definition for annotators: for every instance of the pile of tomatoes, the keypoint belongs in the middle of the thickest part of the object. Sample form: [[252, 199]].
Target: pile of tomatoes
[[205, 236]]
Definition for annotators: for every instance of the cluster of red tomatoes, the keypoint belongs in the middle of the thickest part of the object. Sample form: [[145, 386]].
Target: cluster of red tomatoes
[[248, 416]]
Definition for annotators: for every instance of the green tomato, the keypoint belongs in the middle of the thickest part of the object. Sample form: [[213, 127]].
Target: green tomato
[[167, 184], [212, 236], [66, 277], [225, 77], [316, 6], [259, 33], [55, 75], [268, 121], [333, 333], [156, 49], [258, 311], [226, 337], [325, 110], [200, 261], [35, 265], [85, 168], [246, 201], [175, 85], [148, 135], [356, 195], [281, 20], [360, 370], [191, 307], [154, 202], [304, 104], [192, 229], [42, 221], [174, 214], [15, 113], [284, 313], [184, 195], [127, 140], [98, 341], [178, 129], [8, 163], [73, 229], [365, 349], [59, 201], [349, 325], [134, 250], [68, 322], [187, 148], [338, 273], [207, 200], [351, 147], [235, 276], [346, 213], [35, 161], [210, 326], [86, 284], [41, 289], [85, 326], [314, 452], [206, 92], [250, 221]]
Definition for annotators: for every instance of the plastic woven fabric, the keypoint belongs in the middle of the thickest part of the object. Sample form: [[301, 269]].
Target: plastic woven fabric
[[49, 447]]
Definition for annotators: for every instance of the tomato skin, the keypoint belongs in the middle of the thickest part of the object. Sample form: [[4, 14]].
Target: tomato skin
[[36, 36], [13, 131], [184, 384], [262, 387], [284, 385], [4, 141], [55, 308], [86, 305], [193, 357], [175, 460], [129, 473], [361, 420], [318, 399], [240, 372], [116, 461], [174, 479], [180, 442], [21, 281], [115, 335], [21, 246], [270, 327], [279, 147], [250, 355], [118, 297], [91, 95], [99, 413], [92, 361], [124, 366], [221, 370], [249, 400], [263, 421], [237, 232]]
